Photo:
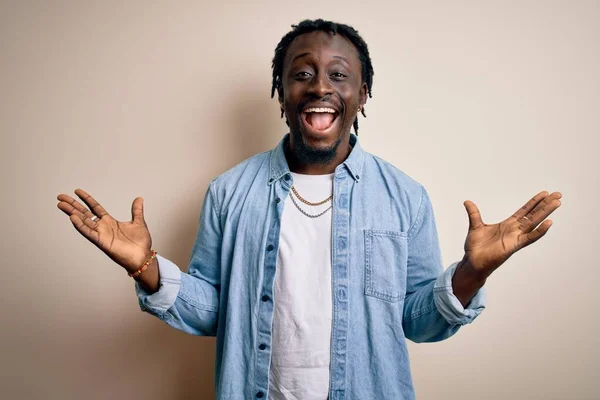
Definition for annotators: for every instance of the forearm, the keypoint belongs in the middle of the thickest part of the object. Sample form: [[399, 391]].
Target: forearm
[[186, 302], [422, 322], [150, 278], [434, 312], [466, 283]]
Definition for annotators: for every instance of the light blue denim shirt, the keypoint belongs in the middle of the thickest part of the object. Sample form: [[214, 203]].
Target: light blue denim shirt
[[388, 283]]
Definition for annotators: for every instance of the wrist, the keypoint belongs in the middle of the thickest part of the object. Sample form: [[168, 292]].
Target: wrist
[[469, 273], [150, 259], [136, 261], [466, 281], [148, 271]]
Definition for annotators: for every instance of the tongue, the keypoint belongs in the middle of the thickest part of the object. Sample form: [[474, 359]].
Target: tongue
[[320, 121]]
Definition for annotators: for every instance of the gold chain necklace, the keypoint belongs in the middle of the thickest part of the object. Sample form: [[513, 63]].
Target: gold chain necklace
[[307, 214], [308, 202]]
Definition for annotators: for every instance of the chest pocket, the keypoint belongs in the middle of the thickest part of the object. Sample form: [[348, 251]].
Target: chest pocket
[[386, 255]]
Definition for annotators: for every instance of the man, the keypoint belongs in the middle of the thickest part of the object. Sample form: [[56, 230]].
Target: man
[[315, 261]]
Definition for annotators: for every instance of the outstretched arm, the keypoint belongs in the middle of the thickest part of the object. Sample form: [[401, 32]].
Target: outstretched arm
[[186, 301]]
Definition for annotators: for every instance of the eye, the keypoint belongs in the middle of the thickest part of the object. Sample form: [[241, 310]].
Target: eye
[[338, 75], [302, 75]]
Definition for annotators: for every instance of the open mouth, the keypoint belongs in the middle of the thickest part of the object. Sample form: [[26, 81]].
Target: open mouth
[[319, 119]]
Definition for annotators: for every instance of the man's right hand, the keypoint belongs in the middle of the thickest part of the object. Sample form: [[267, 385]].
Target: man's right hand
[[126, 243]]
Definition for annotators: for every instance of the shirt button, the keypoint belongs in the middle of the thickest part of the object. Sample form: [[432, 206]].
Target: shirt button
[[357, 177], [270, 247], [262, 346], [287, 177], [265, 298], [260, 395], [277, 200]]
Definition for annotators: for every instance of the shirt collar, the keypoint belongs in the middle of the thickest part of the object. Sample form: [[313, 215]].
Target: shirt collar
[[353, 163]]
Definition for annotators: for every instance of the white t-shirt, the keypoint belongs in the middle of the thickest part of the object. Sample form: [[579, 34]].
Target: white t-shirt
[[302, 296]]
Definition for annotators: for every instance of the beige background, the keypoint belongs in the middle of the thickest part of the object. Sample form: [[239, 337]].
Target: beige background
[[488, 101]]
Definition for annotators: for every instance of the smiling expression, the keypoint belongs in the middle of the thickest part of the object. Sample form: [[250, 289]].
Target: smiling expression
[[321, 95]]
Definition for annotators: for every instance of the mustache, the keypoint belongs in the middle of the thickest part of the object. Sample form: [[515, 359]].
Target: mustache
[[329, 99]]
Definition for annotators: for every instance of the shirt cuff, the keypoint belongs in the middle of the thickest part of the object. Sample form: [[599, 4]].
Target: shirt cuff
[[448, 304], [170, 281]]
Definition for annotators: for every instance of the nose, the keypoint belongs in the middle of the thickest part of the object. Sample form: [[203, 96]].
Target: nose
[[320, 86]]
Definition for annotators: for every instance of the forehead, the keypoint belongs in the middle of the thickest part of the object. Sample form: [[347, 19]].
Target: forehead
[[322, 44]]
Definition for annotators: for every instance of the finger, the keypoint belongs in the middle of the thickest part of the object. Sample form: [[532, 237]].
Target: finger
[[137, 211], [91, 203], [474, 215], [541, 212], [85, 230], [527, 207], [537, 234], [65, 204], [70, 206], [83, 217]]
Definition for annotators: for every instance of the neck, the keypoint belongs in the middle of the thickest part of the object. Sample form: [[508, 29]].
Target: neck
[[299, 167]]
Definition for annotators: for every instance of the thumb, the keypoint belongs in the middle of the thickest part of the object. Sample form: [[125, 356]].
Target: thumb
[[474, 215], [137, 211]]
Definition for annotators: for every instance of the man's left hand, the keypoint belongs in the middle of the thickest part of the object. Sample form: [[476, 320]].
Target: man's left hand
[[488, 246]]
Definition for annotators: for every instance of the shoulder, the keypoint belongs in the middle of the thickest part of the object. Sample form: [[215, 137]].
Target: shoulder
[[383, 172], [240, 177], [249, 166], [387, 183]]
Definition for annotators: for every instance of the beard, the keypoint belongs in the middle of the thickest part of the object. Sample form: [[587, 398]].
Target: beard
[[306, 154]]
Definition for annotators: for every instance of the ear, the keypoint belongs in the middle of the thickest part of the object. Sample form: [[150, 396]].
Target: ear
[[280, 100], [363, 94], [280, 96]]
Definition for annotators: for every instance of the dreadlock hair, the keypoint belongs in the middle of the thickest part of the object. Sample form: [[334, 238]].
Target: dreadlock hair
[[308, 26]]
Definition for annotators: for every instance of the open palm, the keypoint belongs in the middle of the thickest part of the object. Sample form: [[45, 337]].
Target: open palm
[[126, 243], [489, 245]]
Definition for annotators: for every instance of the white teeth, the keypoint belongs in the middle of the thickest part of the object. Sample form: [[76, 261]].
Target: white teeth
[[320, 110]]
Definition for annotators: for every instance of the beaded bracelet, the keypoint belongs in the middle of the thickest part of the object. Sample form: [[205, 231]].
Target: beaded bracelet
[[145, 266]]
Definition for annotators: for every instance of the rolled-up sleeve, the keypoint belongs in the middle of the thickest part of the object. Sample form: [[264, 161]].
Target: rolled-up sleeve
[[448, 304], [170, 281]]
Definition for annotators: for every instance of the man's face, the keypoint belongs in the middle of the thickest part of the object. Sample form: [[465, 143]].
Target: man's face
[[322, 93]]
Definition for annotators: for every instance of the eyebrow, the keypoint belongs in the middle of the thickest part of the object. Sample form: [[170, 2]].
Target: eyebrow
[[307, 53], [300, 56], [342, 58]]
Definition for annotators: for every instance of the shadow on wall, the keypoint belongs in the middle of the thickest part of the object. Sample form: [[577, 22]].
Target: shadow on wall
[[250, 125], [251, 122]]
